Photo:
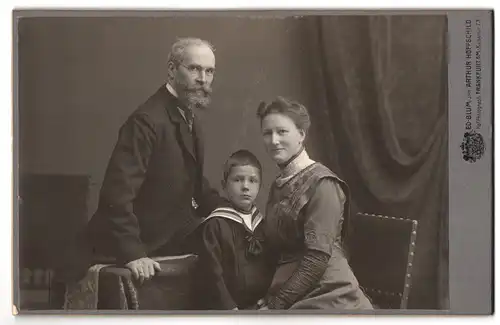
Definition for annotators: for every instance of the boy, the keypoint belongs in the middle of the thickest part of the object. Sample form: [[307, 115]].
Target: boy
[[232, 252]]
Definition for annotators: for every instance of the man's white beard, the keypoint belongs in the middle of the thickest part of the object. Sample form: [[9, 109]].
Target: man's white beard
[[195, 99]]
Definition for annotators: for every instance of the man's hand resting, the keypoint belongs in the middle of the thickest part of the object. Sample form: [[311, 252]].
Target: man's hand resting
[[143, 268]]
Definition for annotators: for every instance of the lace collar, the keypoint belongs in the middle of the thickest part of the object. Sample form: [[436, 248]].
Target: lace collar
[[294, 167]]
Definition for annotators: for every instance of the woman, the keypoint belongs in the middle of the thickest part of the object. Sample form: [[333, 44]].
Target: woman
[[305, 211]]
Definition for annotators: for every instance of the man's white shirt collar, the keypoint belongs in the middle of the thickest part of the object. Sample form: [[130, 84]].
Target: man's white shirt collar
[[174, 93], [172, 90]]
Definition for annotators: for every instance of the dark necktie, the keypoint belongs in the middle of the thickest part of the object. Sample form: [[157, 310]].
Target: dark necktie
[[189, 116]]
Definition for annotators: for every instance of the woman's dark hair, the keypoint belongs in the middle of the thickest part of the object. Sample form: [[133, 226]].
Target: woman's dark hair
[[293, 109]]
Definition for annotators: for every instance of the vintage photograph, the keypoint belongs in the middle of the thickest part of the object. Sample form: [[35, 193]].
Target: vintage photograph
[[237, 162]]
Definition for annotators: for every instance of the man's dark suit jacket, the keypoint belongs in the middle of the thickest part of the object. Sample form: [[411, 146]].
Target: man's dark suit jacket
[[155, 170]]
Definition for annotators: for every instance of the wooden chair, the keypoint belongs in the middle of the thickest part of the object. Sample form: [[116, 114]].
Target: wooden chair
[[35, 288], [381, 254]]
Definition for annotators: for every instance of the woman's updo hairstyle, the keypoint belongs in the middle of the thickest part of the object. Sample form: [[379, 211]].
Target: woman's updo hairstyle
[[293, 109]]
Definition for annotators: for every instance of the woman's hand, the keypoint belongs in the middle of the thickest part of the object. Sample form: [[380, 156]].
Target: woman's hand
[[261, 304]]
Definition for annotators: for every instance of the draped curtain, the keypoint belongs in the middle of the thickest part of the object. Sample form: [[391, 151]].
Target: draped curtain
[[378, 100]]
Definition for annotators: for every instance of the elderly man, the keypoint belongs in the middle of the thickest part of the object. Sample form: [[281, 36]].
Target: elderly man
[[154, 194]]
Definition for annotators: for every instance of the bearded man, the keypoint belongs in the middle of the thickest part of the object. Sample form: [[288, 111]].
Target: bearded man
[[154, 194]]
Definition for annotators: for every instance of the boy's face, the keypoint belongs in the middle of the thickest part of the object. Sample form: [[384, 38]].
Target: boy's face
[[242, 186]]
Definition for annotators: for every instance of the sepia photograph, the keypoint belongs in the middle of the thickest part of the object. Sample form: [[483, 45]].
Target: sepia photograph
[[243, 162]]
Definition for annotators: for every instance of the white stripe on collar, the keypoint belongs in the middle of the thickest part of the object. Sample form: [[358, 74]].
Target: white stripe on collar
[[232, 214]]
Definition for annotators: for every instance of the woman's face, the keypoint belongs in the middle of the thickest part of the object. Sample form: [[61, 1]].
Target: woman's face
[[281, 136]]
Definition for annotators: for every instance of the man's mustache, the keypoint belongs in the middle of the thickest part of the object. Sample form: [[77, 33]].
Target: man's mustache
[[206, 89]]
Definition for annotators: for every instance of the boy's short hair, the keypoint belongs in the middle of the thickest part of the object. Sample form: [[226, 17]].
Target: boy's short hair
[[241, 158]]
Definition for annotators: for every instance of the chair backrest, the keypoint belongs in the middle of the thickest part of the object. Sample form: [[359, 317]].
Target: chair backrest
[[381, 252], [35, 288]]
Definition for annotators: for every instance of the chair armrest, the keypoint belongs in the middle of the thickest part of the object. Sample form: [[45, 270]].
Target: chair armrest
[[170, 266]]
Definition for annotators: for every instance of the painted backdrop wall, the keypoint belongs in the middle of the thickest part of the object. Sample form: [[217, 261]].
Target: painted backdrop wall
[[81, 77]]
